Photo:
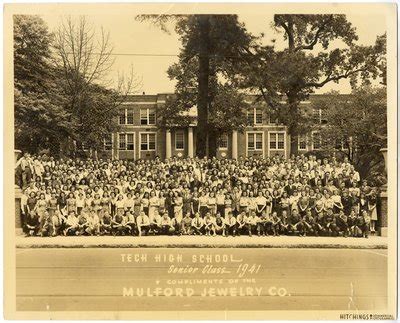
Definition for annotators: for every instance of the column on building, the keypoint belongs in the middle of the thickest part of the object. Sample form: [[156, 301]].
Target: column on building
[[234, 144], [190, 142], [168, 149]]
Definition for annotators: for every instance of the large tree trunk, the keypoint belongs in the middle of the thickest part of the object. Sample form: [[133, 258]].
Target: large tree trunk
[[293, 103], [202, 96]]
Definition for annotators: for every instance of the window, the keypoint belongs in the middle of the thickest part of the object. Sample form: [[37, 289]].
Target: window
[[259, 116], [250, 117], [255, 116], [179, 140], [316, 140], [129, 116], [223, 141], [277, 140], [126, 141], [254, 141], [130, 141], [302, 142], [148, 141], [147, 117], [317, 113], [122, 141], [122, 116], [108, 142]]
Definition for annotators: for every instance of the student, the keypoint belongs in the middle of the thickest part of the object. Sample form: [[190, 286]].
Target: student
[[197, 225], [155, 225], [187, 225], [118, 224], [372, 211], [143, 224], [261, 203], [93, 223], [212, 204], [209, 224], [194, 203], [230, 225], [32, 224], [166, 227], [82, 222], [252, 224], [241, 222], [71, 224], [154, 205], [342, 224], [105, 224], [276, 224], [219, 224]]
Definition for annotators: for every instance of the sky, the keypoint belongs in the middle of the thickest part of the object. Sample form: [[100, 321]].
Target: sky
[[142, 39]]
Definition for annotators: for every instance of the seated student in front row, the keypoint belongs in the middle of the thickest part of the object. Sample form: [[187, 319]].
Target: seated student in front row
[[143, 224], [105, 223], [119, 226], [219, 225], [47, 226], [154, 227], [197, 225], [186, 224], [82, 222], [241, 221], [361, 227], [276, 224], [93, 223], [32, 224], [230, 225], [71, 225], [130, 222], [252, 224], [342, 224], [265, 224], [166, 227], [209, 224]]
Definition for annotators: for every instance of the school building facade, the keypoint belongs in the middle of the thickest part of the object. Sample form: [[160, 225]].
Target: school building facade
[[139, 137]]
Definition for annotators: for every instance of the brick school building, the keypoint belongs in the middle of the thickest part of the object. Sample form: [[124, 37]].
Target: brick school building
[[139, 137]]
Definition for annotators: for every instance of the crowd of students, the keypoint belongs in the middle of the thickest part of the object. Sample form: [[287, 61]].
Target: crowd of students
[[190, 196]]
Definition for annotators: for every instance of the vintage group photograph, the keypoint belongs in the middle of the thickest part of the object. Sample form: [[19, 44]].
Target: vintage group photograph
[[201, 160]]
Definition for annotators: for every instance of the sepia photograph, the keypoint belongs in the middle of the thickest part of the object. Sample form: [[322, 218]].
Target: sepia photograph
[[200, 161]]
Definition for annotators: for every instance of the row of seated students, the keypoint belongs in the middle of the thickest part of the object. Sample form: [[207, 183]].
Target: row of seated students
[[327, 223]]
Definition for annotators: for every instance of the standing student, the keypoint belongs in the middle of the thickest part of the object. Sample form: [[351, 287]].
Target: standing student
[[372, 211], [203, 204], [261, 203], [154, 204], [220, 201], [194, 203]]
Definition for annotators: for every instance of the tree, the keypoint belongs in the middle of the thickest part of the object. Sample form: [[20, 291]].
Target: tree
[[40, 120], [357, 127], [85, 57], [207, 42], [320, 49]]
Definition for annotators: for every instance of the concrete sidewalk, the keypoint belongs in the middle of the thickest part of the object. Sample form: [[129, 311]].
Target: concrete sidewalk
[[201, 242]]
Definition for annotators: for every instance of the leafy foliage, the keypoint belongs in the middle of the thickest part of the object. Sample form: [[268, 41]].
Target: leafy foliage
[[357, 122], [320, 49], [40, 118]]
